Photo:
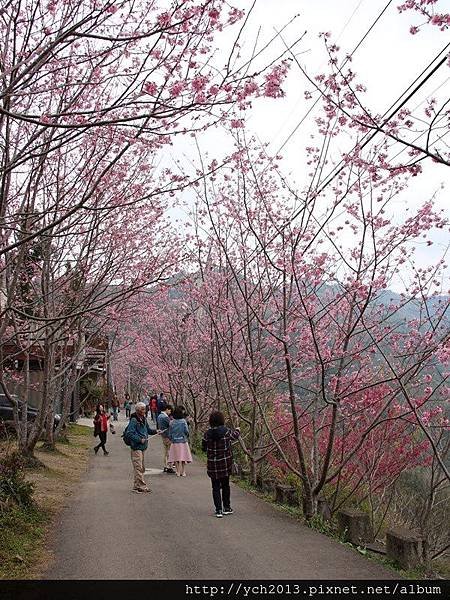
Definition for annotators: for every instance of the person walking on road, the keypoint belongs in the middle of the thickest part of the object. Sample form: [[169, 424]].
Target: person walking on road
[[138, 431], [128, 405], [179, 451], [146, 402], [161, 403], [115, 408], [216, 443], [101, 428], [154, 407], [163, 423]]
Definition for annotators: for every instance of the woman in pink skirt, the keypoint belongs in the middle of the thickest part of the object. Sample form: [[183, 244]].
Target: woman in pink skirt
[[179, 452]]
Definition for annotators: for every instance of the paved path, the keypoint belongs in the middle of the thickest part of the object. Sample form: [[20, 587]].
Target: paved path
[[108, 532]]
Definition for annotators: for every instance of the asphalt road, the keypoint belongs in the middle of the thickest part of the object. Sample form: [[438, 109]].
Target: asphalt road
[[109, 532]]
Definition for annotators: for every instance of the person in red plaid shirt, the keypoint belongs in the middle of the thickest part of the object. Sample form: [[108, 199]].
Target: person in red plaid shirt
[[216, 443]]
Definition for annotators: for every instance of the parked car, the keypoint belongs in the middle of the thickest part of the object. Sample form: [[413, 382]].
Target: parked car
[[6, 411]]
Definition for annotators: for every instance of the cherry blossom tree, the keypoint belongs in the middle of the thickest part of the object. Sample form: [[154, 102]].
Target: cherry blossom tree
[[93, 94]]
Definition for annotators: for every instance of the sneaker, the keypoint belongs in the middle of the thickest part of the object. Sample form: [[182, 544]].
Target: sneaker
[[228, 511], [95, 450], [105, 453], [139, 491], [219, 514]]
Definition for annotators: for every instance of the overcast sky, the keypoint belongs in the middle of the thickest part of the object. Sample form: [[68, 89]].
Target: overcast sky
[[387, 62]]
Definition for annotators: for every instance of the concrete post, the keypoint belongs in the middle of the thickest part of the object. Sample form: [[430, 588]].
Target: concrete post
[[404, 547], [355, 526]]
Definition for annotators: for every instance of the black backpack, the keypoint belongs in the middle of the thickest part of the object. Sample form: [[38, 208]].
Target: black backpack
[[126, 435]]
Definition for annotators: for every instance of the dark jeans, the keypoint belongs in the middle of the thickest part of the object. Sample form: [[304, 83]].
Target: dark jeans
[[115, 417], [154, 416], [224, 485], [102, 438], [128, 412]]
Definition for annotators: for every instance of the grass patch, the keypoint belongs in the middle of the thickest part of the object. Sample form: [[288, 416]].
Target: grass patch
[[436, 571], [25, 532], [22, 532], [328, 528], [75, 434], [79, 430], [419, 573], [42, 447]]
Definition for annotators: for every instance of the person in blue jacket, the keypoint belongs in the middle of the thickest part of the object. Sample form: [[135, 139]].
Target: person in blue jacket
[[138, 432], [179, 452]]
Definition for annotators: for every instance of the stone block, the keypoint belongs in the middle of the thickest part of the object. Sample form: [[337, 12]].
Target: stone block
[[269, 486], [404, 547], [265, 484], [236, 469], [323, 509], [285, 494], [355, 526]]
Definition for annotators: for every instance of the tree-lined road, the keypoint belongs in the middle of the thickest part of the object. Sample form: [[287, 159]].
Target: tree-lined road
[[108, 532]]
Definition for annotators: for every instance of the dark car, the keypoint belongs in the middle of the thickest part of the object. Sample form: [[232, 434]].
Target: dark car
[[6, 411]]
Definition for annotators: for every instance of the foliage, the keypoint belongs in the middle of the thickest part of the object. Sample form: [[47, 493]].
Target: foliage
[[328, 528], [195, 442], [14, 489], [423, 505], [92, 101], [24, 528]]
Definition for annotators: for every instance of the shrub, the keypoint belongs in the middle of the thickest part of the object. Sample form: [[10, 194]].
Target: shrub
[[195, 442], [14, 489]]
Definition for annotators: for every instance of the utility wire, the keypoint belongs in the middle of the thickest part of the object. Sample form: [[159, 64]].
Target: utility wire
[[311, 108], [388, 115], [355, 10], [391, 111]]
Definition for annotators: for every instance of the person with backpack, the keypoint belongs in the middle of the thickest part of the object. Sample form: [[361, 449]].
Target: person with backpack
[[136, 436], [216, 443]]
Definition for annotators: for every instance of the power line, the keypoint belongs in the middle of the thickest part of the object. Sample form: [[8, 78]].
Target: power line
[[421, 134], [355, 10], [311, 108], [391, 111], [388, 115]]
